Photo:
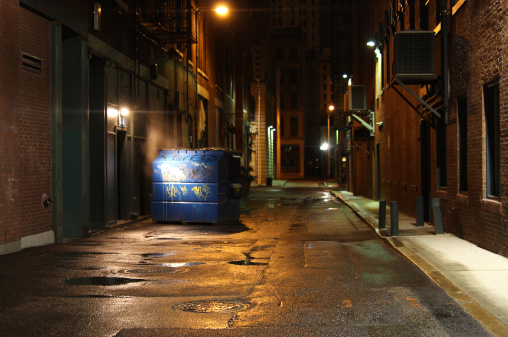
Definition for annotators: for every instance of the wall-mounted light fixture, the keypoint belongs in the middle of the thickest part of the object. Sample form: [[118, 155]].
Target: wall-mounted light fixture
[[124, 112], [97, 14], [371, 43]]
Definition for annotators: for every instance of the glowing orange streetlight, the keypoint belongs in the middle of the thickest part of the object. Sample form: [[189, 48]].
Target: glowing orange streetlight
[[222, 10], [331, 107]]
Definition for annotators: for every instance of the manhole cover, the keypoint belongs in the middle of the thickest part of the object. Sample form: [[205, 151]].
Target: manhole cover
[[211, 306]]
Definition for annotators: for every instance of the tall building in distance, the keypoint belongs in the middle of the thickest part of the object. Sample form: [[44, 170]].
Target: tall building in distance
[[300, 45]]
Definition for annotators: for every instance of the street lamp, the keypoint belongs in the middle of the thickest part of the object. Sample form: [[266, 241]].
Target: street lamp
[[222, 10], [331, 107]]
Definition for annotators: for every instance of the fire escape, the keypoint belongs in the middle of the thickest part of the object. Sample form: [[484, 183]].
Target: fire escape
[[169, 24]]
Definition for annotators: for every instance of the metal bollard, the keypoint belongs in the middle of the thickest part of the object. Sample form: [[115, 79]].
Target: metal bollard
[[419, 211], [438, 217], [394, 214], [382, 214]]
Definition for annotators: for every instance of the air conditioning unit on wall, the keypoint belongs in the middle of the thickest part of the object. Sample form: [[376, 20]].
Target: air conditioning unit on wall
[[415, 57], [355, 99]]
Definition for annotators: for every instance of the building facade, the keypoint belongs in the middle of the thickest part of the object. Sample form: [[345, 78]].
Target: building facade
[[439, 131], [92, 90], [300, 46]]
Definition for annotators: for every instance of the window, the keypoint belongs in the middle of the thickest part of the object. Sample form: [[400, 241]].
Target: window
[[411, 14], [438, 12], [386, 75], [402, 20], [462, 113], [279, 53], [293, 53], [492, 137], [441, 156], [293, 76], [282, 126], [424, 16], [294, 127], [379, 73], [290, 158], [294, 101]]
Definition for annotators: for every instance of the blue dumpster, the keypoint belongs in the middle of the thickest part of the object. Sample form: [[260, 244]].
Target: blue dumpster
[[196, 186]]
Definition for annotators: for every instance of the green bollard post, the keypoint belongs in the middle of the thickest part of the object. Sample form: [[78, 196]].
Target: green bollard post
[[382, 214], [394, 214]]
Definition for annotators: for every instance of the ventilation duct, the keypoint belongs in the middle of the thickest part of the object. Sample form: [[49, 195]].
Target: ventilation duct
[[355, 99], [415, 57]]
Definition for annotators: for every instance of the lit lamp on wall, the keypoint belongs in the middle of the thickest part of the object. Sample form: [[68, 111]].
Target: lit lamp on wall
[[124, 112], [331, 107], [117, 116]]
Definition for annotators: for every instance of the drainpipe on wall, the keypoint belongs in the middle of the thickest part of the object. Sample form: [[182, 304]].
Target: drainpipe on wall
[[259, 136], [446, 79]]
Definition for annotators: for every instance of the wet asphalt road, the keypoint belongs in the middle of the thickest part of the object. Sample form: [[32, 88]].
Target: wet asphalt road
[[299, 263]]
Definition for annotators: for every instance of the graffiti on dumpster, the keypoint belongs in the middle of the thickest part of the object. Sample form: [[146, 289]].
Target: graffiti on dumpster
[[182, 173], [171, 173], [199, 158], [173, 193], [202, 192]]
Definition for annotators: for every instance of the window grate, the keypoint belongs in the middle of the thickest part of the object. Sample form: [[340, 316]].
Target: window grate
[[31, 63]]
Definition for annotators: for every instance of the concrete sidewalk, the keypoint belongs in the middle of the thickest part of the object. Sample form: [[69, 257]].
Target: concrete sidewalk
[[474, 277], [298, 183]]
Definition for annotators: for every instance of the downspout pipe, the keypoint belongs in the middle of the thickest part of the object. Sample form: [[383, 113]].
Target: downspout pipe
[[444, 55]]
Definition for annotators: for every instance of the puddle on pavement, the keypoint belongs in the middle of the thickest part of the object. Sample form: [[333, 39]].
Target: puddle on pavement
[[76, 254], [150, 270], [101, 281], [211, 306], [179, 265], [97, 296], [248, 263], [156, 255], [297, 227]]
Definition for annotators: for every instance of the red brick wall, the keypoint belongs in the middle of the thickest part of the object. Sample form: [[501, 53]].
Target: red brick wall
[[478, 46], [25, 131], [35, 125], [10, 216]]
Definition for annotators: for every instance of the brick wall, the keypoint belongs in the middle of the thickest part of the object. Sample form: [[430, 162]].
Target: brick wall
[[25, 131], [10, 215], [478, 46], [35, 125]]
